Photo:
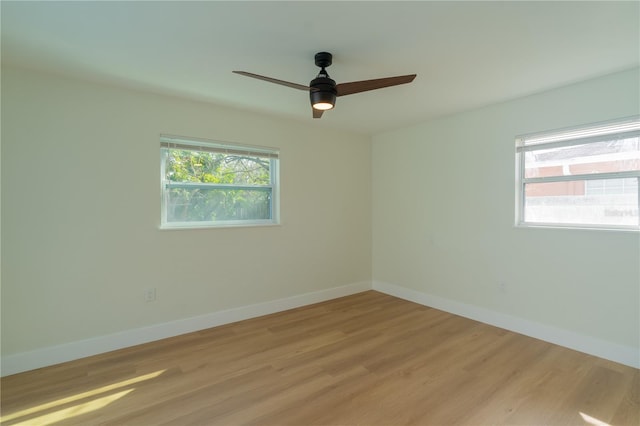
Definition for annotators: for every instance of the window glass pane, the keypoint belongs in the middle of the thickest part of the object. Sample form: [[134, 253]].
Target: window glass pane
[[208, 167], [595, 187], [599, 157], [573, 202], [611, 186], [206, 187], [206, 205]]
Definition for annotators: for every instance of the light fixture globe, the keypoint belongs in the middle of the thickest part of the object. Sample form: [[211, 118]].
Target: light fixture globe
[[323, 92], [323, 100]]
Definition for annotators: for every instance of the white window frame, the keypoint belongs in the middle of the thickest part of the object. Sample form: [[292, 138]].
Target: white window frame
[[615, 129], [196, 144]]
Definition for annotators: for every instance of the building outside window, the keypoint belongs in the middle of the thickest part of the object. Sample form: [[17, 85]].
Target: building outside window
[[585, 177]]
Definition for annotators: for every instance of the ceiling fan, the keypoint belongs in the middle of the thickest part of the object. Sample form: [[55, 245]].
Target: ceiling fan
[[323, 90]]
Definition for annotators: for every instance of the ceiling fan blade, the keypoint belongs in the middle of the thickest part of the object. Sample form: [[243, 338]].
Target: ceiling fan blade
[[365, 85], [273, 80], [316, 112]]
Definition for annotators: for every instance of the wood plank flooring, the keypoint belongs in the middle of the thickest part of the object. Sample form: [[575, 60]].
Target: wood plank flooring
[[366, 359]]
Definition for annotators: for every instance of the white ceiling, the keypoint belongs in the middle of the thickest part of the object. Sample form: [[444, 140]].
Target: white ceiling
[[466, 54]]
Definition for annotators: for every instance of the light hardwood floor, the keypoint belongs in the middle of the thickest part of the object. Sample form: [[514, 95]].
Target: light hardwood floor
[[366, 359]]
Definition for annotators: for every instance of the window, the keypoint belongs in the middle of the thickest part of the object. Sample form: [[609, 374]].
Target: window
[[212, 184], [585, 177]]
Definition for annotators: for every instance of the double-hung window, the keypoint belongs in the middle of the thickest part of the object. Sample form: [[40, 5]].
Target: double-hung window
[[586, 177], [213, 184]]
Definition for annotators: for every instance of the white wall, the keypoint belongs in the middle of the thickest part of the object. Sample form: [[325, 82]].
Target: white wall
[[81, 210], [443, 220], [80, 215]]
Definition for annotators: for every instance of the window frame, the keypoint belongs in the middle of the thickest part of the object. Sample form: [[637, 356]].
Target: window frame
[[572, 136], [204, 145]]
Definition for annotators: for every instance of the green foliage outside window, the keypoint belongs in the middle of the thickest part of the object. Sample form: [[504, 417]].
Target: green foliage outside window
[[217, 186]]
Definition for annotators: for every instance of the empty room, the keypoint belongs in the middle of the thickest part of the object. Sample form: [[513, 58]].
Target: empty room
[[320, 213]]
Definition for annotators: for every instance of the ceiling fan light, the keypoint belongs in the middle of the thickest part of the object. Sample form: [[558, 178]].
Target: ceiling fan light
[[323, 100], [322, 106]]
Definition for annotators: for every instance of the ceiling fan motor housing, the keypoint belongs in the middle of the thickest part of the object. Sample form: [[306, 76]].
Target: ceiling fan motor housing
[[323, 88], [323, 91]]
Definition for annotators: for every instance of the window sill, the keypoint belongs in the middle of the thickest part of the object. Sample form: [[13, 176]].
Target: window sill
[[225, 225], [576, 227]]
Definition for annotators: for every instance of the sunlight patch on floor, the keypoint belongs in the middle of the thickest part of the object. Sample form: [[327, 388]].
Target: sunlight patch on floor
[[592, 420], [80, 408], [76, 410]]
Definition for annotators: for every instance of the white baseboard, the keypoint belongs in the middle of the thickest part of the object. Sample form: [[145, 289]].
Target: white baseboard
[[25, 361], [626, 355]]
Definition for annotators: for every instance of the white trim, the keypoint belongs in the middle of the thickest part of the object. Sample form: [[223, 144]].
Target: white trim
[[622, 354], [593, 176], [221, 224], [612, 130], [38, 358], [51, 355], [198, 144], [585, 132], [168, 142], [582, 226]]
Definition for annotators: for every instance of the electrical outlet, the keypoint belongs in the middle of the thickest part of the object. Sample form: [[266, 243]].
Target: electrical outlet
[[150, 294], [502, 287]]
